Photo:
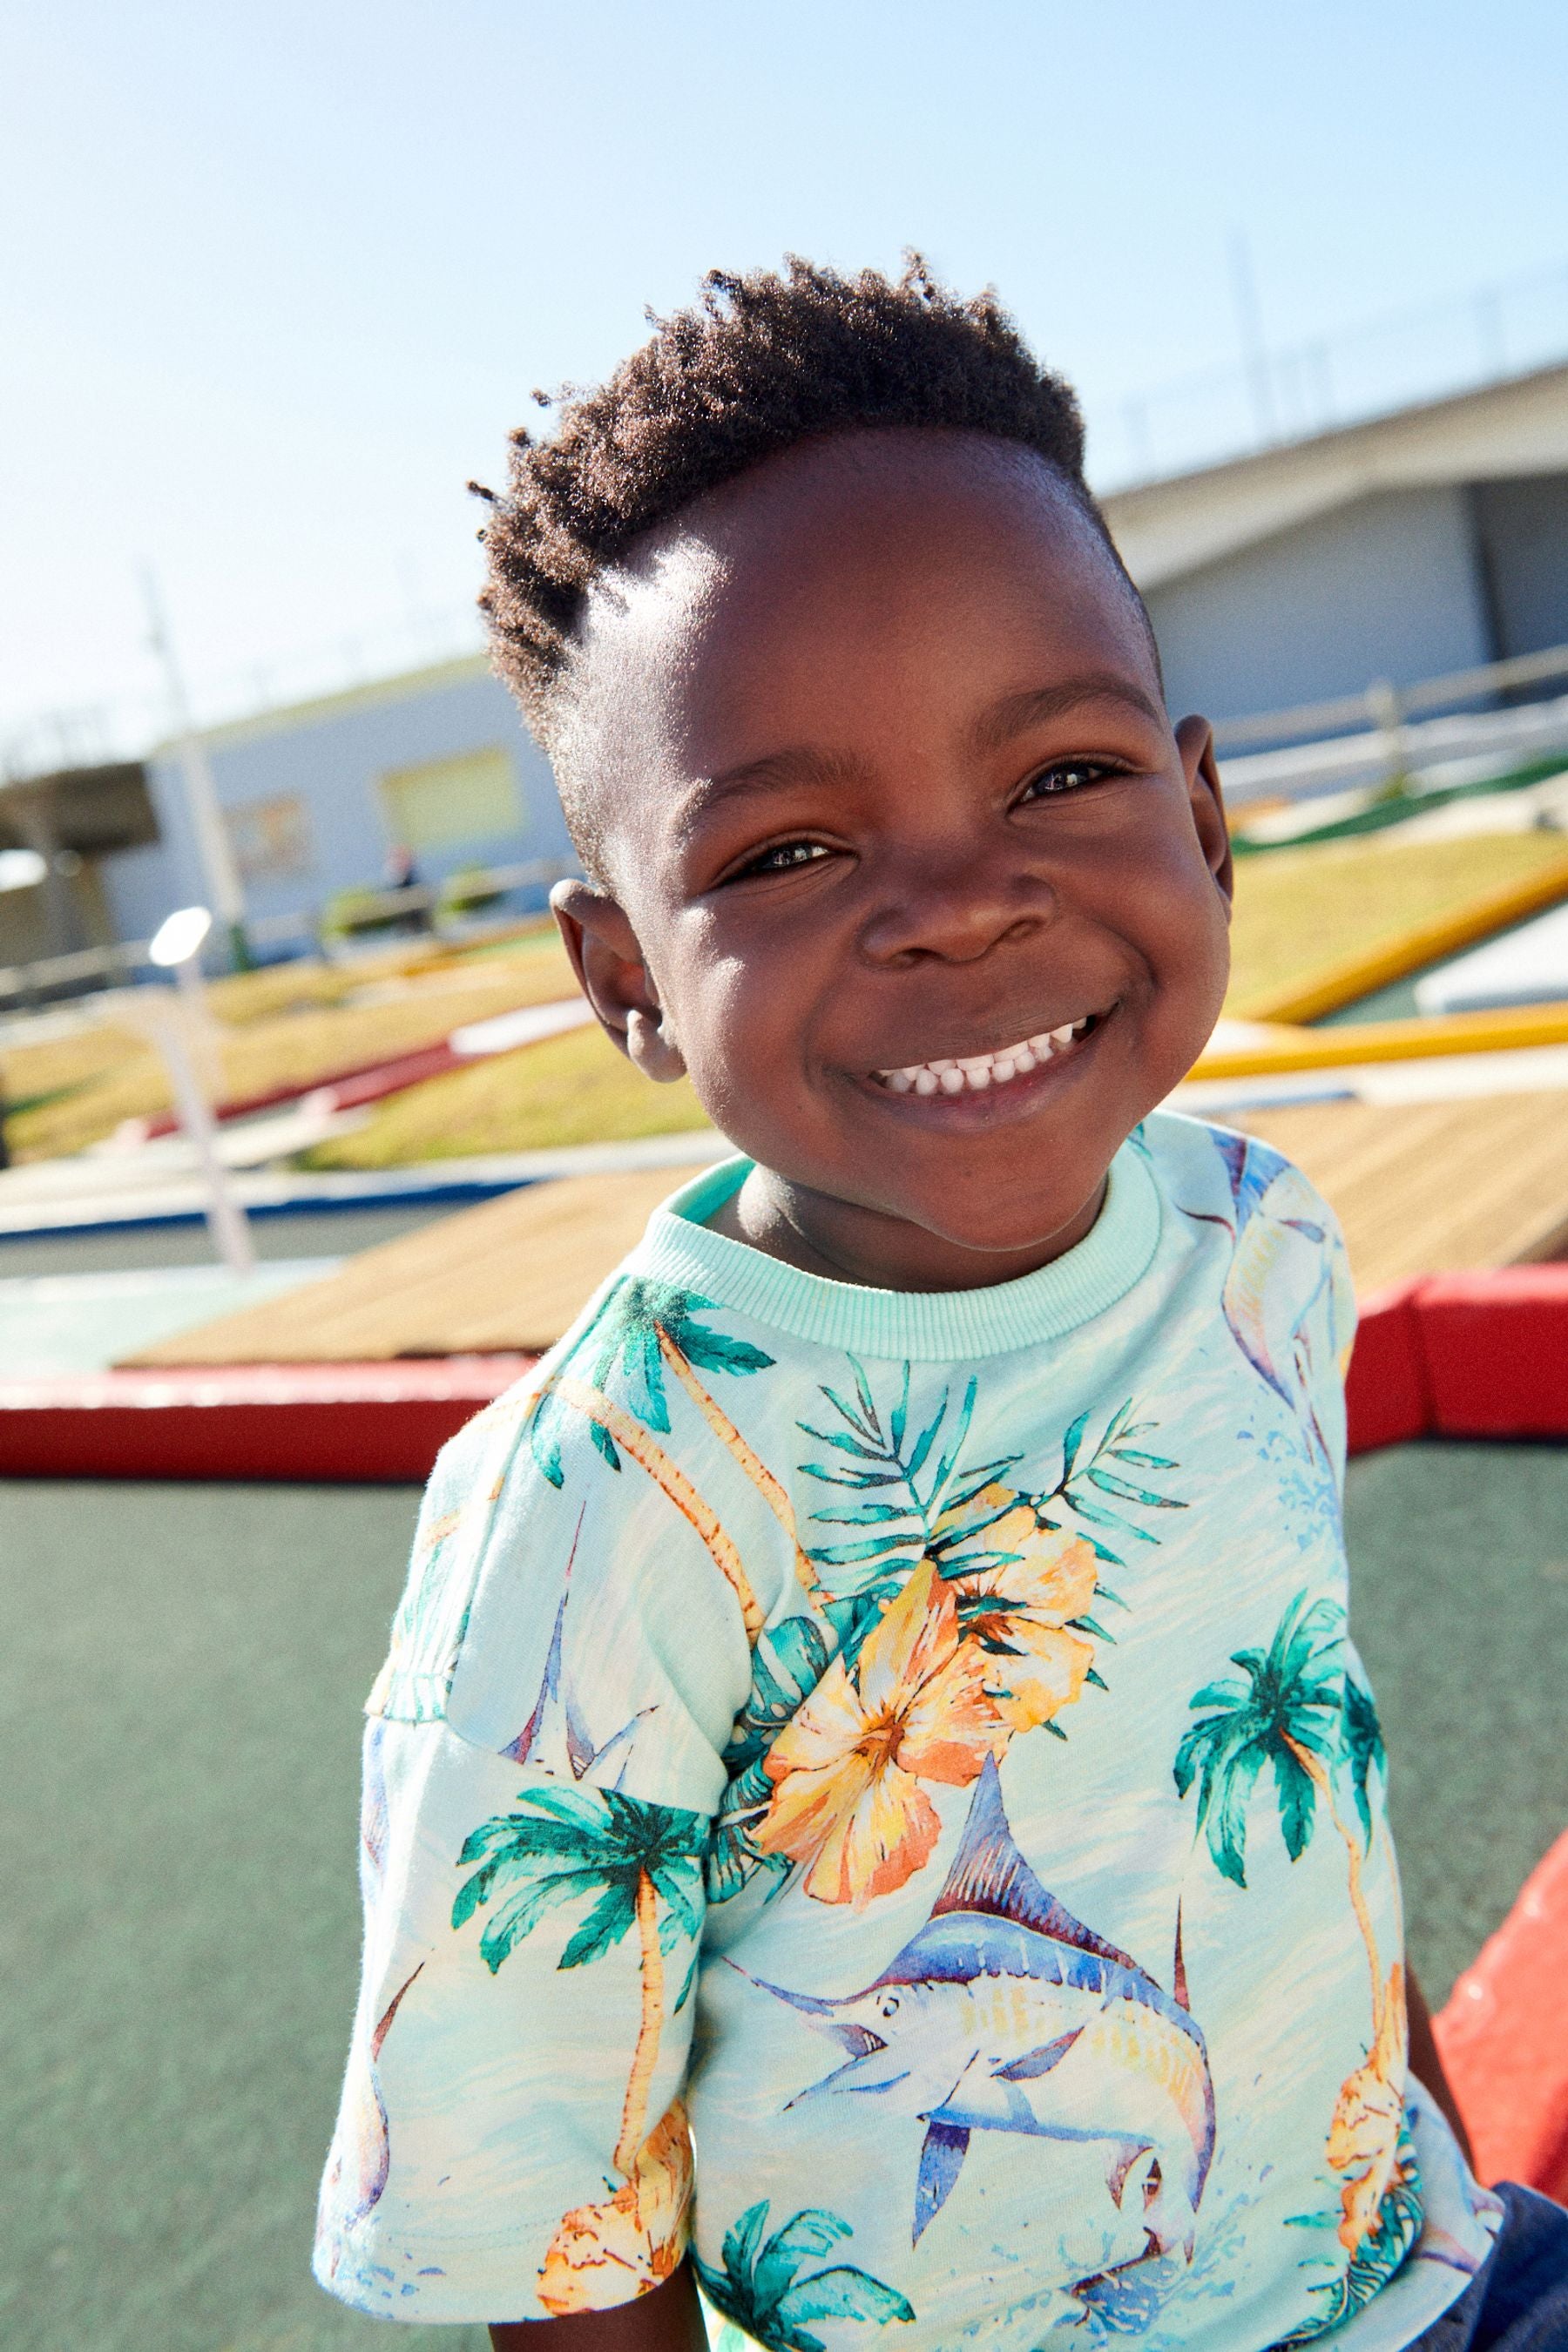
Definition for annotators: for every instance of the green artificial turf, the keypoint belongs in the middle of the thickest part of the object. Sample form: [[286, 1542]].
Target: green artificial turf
[[181, 1684], [180, 1687], [1459, 1606]]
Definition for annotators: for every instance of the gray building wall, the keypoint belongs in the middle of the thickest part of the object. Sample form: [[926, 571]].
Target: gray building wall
[[1389, 586], [313, 781], [1522, 529]]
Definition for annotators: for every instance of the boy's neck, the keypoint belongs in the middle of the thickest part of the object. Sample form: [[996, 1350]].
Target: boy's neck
[[842, 1241]]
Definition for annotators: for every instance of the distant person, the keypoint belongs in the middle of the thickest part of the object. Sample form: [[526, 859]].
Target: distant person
[[401, 873], [875, 1704]]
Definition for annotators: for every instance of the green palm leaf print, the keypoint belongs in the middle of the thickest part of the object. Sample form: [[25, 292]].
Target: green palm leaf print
[[762, 2289]]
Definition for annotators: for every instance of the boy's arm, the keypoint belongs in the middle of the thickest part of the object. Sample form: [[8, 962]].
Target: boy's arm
[[668, 2320], [1427, 2065]]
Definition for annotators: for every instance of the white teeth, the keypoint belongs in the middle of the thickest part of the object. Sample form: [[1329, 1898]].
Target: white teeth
[[956, 1074]]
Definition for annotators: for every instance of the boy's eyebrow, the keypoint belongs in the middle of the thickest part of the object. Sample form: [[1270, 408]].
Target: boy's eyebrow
[[997, 727], [796, 765]]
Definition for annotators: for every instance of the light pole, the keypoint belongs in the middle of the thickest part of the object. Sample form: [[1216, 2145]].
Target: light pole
[[177, 948], [213, 847]]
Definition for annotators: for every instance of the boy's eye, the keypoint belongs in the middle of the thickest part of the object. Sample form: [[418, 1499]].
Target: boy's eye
[[781, 856], [1067, 776]]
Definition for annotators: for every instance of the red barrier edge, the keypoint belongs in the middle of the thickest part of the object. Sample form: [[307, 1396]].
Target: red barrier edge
[[1454, 1355], [1500, 2038], [1495, 1350], [338, 1422], [1387, 1397]]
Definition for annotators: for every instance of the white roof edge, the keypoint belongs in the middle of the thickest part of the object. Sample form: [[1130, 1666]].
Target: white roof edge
[[1168, 528]]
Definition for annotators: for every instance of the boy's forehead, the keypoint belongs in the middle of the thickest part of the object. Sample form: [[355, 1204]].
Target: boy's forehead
[[845, 567]]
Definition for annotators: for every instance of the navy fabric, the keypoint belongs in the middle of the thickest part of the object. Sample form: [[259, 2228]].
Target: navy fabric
[[1517, 2300]]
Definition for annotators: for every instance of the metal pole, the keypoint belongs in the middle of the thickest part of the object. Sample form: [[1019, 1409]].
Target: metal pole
[[226, 1218], [1249, 327], [1387, 713], [213, 847]]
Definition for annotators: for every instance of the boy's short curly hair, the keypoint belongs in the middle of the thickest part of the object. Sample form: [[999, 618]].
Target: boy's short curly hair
[[764, 362]]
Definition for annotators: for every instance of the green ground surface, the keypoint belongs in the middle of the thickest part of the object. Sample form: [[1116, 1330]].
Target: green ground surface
[[179, 1690]]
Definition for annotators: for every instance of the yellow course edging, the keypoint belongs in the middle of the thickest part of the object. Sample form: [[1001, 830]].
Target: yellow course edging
[[1392, 1041], [1359, 975]]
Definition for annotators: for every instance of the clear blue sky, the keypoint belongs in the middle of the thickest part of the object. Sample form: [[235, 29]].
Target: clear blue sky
[[277, 280]]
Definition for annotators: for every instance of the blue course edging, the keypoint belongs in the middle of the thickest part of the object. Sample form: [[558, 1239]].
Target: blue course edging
[[454, 1194]]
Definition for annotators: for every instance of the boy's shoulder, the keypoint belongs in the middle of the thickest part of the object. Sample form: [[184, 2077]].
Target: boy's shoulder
[[1203, 1167]]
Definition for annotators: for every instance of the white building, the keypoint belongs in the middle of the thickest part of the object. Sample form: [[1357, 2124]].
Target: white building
[[1431, 540]]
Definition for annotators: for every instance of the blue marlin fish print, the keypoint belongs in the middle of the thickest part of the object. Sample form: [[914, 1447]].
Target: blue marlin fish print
[[1005, 2013]]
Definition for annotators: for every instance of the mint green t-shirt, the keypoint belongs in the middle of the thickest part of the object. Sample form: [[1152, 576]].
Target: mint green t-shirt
[[875, 1788]]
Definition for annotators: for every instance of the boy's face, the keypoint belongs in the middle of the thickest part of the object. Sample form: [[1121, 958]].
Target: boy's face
[[884, 777]]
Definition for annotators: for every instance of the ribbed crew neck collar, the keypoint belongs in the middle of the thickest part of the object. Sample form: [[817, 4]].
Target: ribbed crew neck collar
[[923, 1326]]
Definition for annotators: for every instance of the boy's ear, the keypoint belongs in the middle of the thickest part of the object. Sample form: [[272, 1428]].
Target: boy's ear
[[608, 961], [1195, 740]]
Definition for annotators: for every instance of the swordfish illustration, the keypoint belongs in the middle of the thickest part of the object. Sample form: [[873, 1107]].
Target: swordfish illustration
[[1005, 2013]]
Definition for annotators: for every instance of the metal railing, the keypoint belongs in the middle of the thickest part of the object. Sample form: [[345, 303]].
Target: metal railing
[[1380, 701], [121, 962]]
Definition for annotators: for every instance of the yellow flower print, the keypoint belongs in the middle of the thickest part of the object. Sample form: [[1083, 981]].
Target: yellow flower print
[[847, 1773], [1364, 2138], [607, 2254], [1021, 1610]]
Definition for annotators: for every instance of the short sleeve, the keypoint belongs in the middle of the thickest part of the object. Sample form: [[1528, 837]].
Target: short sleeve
[[543, 1763]]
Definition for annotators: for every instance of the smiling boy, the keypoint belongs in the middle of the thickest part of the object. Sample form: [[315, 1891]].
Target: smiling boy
[[877, 1703]]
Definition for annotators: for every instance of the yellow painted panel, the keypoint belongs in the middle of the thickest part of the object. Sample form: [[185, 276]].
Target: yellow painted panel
[[471, 798]]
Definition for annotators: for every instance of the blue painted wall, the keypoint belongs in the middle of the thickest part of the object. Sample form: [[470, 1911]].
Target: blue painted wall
[[1390, 587], [332, 756]]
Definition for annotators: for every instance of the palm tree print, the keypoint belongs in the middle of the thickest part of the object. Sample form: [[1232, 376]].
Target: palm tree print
[[642, 1329], [626, 1857], [1297, 1710], [760, 2288]]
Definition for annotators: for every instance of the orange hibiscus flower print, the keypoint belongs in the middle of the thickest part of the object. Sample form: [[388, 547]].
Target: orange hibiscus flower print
[[847, 1771], [1021, 1610]]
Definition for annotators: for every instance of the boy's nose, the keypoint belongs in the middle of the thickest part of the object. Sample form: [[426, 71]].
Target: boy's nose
[[957, 904]]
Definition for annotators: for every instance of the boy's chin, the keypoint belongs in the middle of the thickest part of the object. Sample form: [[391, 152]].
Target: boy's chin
[[1038, 1226]]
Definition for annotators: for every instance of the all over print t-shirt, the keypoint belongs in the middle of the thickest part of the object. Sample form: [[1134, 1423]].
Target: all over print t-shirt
[[907, 1748]]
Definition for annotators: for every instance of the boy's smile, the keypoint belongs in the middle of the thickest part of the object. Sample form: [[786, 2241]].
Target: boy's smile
[[902, 861]]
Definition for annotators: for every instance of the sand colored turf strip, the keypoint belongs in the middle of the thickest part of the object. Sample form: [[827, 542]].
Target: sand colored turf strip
[[1423, 1188], [1420, 1187], [181, 1692], [1302, 913], [509, 1275]]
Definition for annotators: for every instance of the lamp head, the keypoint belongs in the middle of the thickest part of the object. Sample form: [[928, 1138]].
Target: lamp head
[[180, 936]]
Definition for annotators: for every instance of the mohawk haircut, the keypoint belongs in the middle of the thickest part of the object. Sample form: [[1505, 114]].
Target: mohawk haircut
[[762, 362]]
